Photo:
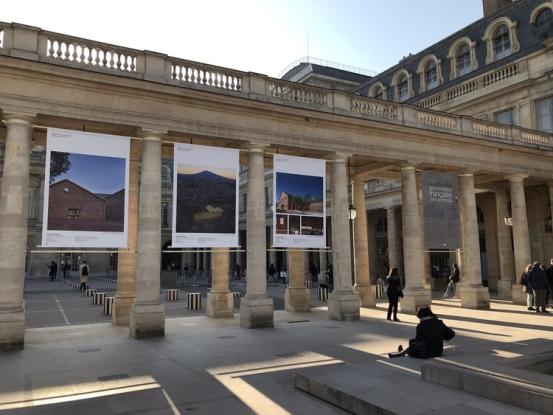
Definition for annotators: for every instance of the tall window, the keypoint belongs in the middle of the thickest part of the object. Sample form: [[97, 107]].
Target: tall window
[[544, 22], [505, 117], [403, 88], [544, 114], [462, 60], [501, 42], [431, 75]]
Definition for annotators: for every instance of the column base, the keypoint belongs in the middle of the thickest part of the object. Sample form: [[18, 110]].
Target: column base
[[505, 289], [220, 304], [256, 313], [343, 305], [147, 321], [413, 299], [297, 299], [121, 310], [475, 297], [518, 296], [12, 330], [367, 295]]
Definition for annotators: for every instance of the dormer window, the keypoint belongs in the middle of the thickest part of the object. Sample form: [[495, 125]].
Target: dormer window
[[379, 93], [544, 22], [501, 42], [501, 39], [463, 60], [403, 88], [431, 75]]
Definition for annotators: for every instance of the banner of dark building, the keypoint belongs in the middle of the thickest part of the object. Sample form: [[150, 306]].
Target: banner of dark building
[[440, 192], [85, 193], [205, 197], [299, 207]]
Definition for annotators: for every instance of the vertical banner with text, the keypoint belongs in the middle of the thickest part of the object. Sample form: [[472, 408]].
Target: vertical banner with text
[[299, 208], [86, 190], [205, 197], [440, 194]]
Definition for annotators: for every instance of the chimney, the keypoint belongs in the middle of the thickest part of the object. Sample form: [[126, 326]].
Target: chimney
[[492, 6]]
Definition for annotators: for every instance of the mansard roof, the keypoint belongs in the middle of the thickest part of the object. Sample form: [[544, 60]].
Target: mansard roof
[[528, 37]]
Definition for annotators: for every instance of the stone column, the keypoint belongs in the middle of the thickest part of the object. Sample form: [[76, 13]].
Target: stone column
[[343, 302], [306, 272], [13, 231], [126, 258], [147, 317], [393, 249], [415, 295], [472, 293], [296, 296], [504, 246], [256, 309], [367, 292], [322, 261], [220, 303], [521, 238]]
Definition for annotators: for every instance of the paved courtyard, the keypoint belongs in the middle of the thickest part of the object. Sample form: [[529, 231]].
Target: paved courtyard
[[208, 366]]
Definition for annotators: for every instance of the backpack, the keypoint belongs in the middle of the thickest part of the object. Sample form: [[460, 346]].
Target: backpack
[[85, 271]]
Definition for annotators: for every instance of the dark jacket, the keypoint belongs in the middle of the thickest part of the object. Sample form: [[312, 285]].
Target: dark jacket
[[394, 286], [537, 279], [454, 276], [434, 332]]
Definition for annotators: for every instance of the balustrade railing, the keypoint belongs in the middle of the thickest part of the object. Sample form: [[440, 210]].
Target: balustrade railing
[[374, 108], [461, 90], [500, 75], [536, 137], [489, 129], [437, 120], [93, 54], [194, 73], [294, 92], [87, 54]]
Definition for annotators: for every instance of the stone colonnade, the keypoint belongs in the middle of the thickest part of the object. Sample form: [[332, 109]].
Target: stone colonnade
[[138, 302]]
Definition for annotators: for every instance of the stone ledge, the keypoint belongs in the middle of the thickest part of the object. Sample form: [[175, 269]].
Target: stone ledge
[[341, 399], [492, 384]]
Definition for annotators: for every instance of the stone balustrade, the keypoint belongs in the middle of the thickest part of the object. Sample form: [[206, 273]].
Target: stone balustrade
[[32, 43], [374, 108], [297, 93], [89, 54], [458, 92], [199, 74]]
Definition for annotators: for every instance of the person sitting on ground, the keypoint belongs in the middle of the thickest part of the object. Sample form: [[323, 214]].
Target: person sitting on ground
[[429, 338]]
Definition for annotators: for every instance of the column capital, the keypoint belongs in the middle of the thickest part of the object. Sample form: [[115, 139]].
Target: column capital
[[407, 165], [149, 135], [256, 147], [20, 119], [340, 157], [517, 177]]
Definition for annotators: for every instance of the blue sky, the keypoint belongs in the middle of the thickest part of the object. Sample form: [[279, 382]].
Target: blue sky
[[98, 174], [262, 36], [299, 185]]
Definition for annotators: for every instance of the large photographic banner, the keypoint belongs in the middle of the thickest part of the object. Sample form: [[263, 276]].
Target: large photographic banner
[[205, 197], [85, 193], [440, 193], [299, 208]]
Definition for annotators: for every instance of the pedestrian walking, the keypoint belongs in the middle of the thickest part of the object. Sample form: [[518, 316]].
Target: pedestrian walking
[[272, 272], [313, 270], [84, 271], [537, 282], [454, 276], [53, 270], [549, 271], [394, 292], [527, 289]]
